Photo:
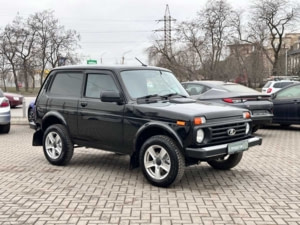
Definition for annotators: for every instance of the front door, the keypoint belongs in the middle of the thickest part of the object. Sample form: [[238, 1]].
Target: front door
[[100, 123]]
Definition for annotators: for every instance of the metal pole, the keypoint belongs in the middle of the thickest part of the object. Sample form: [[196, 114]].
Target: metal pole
[[24, 108], [286, 62]]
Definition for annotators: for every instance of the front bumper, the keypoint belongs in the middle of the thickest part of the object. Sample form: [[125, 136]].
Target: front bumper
[[206, 153]]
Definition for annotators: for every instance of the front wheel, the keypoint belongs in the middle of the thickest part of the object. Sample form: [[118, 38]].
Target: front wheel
[[162, 161], [57, 145], [227, 162]]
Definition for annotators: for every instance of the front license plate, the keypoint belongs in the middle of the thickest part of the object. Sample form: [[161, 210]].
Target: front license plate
[[237, 147]]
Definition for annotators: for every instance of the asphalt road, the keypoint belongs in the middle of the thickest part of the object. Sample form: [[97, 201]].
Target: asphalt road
[[97, 187]]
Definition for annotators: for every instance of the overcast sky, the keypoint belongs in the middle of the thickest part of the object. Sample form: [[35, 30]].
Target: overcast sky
[[110, 29]]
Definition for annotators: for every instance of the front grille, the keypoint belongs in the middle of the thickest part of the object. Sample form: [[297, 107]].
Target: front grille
[[219, 134]]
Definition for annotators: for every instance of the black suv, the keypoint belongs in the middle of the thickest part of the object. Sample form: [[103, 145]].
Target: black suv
[[140, 111]]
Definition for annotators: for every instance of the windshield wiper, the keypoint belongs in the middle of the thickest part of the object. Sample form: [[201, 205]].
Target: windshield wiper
[[173, 94], [148, 98]]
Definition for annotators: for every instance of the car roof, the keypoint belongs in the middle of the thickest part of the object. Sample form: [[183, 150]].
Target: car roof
[[114, 68]]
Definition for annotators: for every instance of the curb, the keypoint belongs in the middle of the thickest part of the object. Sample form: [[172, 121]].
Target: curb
[[19, 121]]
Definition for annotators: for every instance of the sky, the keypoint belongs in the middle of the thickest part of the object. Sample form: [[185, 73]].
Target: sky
[[110, 29]]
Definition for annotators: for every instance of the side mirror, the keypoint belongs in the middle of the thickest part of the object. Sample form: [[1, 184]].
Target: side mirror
[[111, 96], [273, 96]]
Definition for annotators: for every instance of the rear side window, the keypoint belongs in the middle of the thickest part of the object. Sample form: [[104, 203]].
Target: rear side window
[[268, 84], [67, 84], [97, 83], [282, 84]]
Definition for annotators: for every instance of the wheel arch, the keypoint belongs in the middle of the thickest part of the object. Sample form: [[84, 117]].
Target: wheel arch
[[53, 118], [148, 130]]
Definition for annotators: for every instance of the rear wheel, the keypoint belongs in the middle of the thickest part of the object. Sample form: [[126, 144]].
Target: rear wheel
[[162, 161], [4, 129], [227, 162], [57, 145]]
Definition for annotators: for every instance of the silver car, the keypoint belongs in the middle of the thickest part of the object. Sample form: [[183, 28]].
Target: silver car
[[4, 114]]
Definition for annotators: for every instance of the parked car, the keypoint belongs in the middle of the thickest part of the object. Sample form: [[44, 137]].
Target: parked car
[[30, 111], [287, 105], [236, 95], [273, 86], [4, 114], [14, 99], [141, 111]]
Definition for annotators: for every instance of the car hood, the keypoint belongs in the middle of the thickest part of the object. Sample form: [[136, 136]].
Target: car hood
[[185, 110], [220, 95]]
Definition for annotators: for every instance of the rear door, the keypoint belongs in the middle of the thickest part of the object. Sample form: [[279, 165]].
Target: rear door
[[100, 123]]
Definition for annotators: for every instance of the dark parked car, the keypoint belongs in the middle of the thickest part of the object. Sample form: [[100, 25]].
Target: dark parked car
[[260, 105], [287, 105], [14, 99], [141, 111], [4, 114]]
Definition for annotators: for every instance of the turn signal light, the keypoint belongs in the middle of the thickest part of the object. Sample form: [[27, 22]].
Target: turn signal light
[[199, 120], [180, 123], [246, 115]]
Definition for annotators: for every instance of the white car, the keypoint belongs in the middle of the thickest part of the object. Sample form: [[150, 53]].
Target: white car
[[4, 114], [274, 86]]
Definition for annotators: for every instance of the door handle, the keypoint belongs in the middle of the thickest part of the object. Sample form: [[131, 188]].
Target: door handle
[[83, 104]]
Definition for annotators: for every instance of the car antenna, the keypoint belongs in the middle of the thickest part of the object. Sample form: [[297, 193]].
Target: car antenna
[[140, 61]]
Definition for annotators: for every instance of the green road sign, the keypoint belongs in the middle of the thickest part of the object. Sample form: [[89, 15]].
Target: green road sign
[[91, 61]]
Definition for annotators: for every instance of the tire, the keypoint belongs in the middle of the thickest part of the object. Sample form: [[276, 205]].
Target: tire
[[226, 163], [255, 128], [283, 125], [57, 145], [30, 115], [165, 161], [4, 129]]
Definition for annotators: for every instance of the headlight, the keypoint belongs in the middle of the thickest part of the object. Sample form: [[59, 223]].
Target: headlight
[[200, 136], [16, 98], [247, 128]]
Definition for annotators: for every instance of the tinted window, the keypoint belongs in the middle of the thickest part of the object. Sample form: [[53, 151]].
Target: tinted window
[[97, 83], [67, 84], [291, 92]]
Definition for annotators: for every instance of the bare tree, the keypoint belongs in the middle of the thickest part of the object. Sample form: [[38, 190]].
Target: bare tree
[[270, 21], [4, 69]]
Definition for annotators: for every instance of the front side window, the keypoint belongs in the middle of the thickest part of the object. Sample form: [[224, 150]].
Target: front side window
[[292, 92], [140, 83], [67, 84], [97, 83]]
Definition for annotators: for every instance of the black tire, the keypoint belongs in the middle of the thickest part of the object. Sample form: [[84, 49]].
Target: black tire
[[255, 128], [4, 129], [226, 163], [30, 115], [61, 142], [171, 159]]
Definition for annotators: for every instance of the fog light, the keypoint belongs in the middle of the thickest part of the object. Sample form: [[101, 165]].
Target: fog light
[[200, 136]]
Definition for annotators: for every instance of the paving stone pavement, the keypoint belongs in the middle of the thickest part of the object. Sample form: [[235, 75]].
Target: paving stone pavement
[[97, 187]]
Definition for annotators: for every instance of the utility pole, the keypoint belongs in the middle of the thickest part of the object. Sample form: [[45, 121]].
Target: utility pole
[[167, 30]]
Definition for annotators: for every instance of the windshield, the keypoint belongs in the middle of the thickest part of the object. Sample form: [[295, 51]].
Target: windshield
[[238, 88], [140, 83]]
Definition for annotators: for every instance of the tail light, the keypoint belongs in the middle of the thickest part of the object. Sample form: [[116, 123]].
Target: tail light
[[269, 90], [232, 100], [5, 103]]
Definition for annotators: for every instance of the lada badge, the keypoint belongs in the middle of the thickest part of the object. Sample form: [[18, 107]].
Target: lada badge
[[231, 132]]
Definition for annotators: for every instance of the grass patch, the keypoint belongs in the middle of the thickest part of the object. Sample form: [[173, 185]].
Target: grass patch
[[30, 92]]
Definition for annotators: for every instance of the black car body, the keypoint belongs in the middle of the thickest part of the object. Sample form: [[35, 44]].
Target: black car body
[[140, 111], [287, 105], [260, 105]]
